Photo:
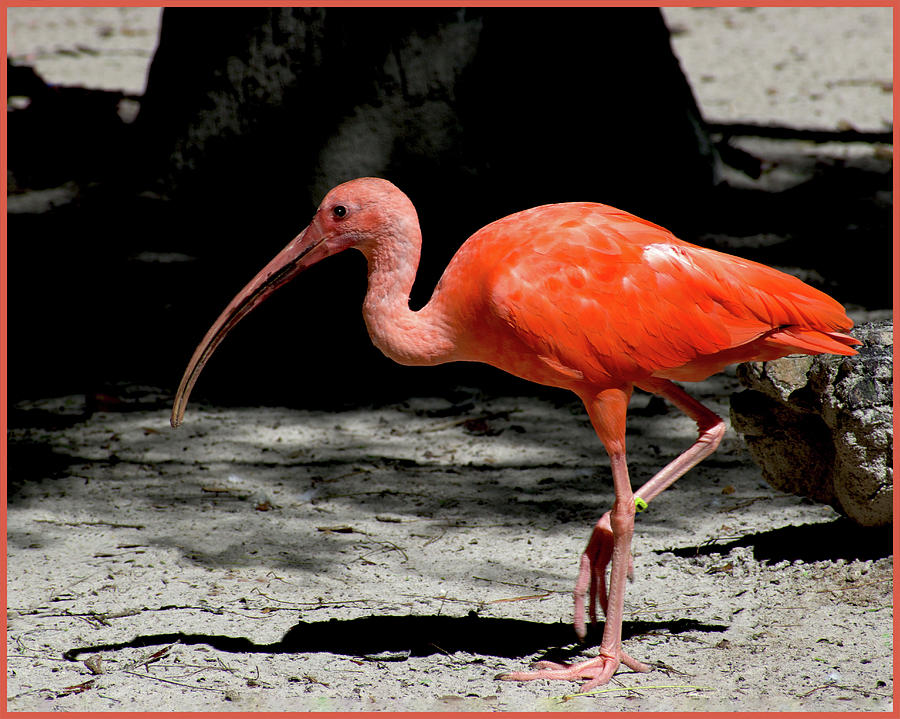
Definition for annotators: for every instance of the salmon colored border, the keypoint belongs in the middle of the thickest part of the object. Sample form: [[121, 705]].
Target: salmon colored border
[[4, 299]]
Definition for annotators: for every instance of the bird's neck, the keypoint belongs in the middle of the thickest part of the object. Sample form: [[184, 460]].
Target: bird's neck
[[407, 337]]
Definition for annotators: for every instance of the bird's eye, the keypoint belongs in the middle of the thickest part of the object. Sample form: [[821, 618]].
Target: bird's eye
[[339, 211]]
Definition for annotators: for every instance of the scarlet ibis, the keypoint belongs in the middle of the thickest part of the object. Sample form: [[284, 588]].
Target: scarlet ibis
[[577, 295]]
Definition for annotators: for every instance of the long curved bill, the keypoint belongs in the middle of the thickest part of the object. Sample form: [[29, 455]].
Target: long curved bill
[[305, 250]]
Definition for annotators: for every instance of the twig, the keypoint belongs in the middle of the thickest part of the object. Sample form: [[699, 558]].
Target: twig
[[312, 680], [443, 599], [77, 689], [654, 610], [317, 605], [721, 538], [566, 697], [440, 649], [257, 590], [520, 599], [744, 503], [527, 586], [99, 523], [172, 681], [101, 618], [150, 658], [845, 688], [275, 576], [435, 538], [502, 414], [89, 617], [385, 546]]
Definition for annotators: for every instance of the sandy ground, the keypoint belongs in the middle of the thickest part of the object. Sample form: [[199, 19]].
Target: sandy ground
[[106, 48], [806, 67], [400, 557]]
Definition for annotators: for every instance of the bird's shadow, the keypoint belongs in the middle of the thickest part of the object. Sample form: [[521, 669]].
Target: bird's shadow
[[386, 637], [839, 539]]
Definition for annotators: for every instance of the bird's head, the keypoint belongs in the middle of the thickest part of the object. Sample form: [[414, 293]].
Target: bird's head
[[356, 214]]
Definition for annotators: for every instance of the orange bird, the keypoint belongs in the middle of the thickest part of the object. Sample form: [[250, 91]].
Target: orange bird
[[576, 295]]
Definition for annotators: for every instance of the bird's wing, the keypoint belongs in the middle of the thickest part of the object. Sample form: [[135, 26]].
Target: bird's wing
[[612, 296]]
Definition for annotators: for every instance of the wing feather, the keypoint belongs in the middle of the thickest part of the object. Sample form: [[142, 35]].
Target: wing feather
[[611, 296]]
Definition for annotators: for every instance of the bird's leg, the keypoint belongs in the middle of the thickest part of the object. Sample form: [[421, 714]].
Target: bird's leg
[[592, 572], [607, 412], [710, 426]]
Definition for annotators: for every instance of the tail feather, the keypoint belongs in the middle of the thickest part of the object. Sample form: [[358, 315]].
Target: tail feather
[[809, 341]]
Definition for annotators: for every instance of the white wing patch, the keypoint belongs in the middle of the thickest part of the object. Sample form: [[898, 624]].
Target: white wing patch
[[660, 257]]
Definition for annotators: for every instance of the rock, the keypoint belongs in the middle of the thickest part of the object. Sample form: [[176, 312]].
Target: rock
[[821, 427]]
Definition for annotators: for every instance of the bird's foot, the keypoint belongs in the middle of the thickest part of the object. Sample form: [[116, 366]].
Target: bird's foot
[[592, 575], [598, 671]]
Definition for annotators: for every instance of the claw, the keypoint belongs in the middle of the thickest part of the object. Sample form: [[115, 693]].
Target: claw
[[592, 583], [598, 670]]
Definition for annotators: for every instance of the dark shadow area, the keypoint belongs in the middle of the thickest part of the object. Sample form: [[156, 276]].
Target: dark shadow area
[[567, 496], [65, 134], [162, 219], [815, 221], [419, 635], [126, 305], [30, 461], [779, 132], [840, 539], [570, 496], [118, 280]]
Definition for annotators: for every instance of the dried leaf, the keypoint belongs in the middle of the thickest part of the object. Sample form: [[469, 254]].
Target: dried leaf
[[95, 664], [76, 689]]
